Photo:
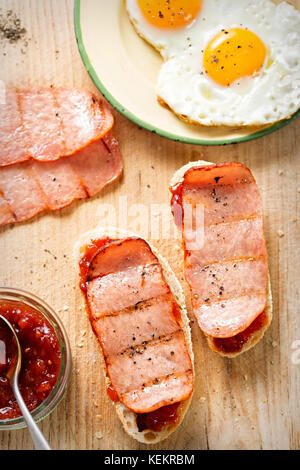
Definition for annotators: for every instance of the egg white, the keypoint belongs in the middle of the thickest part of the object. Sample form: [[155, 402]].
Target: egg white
[[273, 94]]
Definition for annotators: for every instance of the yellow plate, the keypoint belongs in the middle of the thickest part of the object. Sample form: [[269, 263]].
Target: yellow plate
[[124, 68]]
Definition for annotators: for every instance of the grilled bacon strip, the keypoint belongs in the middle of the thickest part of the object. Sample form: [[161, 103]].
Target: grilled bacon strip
[[228, 272], [47, 124], [33, 186], [135, 318]]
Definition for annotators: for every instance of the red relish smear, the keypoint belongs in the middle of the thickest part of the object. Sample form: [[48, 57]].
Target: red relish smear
[[156, 420], [236, 343], [84, 264]]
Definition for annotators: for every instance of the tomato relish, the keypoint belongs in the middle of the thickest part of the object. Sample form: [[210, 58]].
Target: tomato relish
[[155, 420], [41, 357], [236, 343], [176, 203], [111, 392], [84, 264]]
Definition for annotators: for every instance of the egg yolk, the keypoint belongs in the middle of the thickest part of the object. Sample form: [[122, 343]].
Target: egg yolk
[[170, 13], [233, 54]]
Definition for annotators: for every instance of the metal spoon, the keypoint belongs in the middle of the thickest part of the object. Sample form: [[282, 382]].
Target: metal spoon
[[13, 376]]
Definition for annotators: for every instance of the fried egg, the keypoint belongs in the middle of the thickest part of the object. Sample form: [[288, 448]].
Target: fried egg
[[226, 62]]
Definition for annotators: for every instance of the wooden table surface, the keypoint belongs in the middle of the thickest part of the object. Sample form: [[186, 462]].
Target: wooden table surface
[[251, 402]]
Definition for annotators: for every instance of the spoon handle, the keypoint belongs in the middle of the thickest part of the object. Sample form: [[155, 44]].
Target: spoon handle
[[39, 440]]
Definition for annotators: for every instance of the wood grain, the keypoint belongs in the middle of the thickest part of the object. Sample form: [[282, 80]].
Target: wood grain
[[251, 402]]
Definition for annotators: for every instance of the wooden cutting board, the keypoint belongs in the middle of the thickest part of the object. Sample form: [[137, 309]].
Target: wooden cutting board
[[251, 402]]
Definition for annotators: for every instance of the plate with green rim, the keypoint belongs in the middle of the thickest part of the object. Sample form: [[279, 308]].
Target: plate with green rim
[[124, 68]]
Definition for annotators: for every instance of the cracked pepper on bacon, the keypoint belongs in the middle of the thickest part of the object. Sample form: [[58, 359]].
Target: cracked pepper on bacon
[[227, 269], [138, 324]]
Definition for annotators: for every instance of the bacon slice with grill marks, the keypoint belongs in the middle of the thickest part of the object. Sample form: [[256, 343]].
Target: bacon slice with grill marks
[[46, 124], [228, 272], [22, 192], [98, 164], [133, 314], [33, 186], [6, 214]]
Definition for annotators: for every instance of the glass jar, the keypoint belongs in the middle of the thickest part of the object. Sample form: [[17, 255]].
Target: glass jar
[[63, 380]]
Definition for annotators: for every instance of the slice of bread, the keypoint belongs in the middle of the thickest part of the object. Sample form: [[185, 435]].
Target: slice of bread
[[177, 178], [127, 417]]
